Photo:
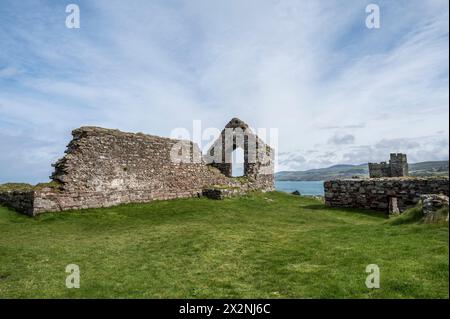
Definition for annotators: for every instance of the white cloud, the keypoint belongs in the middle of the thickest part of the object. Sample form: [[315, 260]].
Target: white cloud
[[426, 148], [341, 139], [309, 68]]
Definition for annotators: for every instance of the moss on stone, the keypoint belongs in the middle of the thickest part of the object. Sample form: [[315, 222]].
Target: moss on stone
[[241, 179], [219, 187], [53, 184], [23, 187], [16, 187], [213, 169]]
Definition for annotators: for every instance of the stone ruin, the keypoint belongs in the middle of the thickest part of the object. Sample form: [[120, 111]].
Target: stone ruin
[[237, 134], [390, 195], [435, 208], [389, 189], [105, 167], [397, 167]]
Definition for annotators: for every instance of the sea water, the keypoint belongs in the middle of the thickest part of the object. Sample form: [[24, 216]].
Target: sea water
[[304, 187]]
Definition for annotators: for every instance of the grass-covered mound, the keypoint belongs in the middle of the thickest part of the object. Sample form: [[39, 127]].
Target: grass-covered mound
[[409, 216], [415, 215], [23, 187], [264, 245]]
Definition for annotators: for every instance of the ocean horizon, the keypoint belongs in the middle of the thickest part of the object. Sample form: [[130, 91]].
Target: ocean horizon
[[304, 187]]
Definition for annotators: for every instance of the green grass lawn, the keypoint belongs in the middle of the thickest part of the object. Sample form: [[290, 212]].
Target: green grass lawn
[[261, 246]]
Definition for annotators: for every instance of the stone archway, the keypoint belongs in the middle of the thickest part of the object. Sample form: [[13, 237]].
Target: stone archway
[[237, 134]]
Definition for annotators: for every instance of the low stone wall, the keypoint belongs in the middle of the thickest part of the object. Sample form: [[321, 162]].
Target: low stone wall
[[22, 201], [376, 193], [218, 193], [51, 200]]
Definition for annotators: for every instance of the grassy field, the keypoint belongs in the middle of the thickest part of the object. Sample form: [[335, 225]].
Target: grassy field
[[264, 246]]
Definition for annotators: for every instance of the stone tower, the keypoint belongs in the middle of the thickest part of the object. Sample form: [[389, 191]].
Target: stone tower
[[398, 164], [397, 167]]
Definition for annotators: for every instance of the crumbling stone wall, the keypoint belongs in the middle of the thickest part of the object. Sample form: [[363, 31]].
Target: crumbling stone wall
[[19, 200], [104, 167], [377, 170], [258, 156], [397, 167], [376, 193], [434, 208], [103, 160]]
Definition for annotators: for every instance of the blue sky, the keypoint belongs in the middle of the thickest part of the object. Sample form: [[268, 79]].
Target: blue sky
[[337, 91]]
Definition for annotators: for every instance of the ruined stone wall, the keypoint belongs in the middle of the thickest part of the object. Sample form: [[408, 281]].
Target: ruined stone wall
[[103, 160], [107, 167], [258, 157], [22, 201], [376, 193], [104, 167], [397, 167], [377, 170]]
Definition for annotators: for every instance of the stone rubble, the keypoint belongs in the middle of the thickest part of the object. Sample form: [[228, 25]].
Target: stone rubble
[[432, 206]]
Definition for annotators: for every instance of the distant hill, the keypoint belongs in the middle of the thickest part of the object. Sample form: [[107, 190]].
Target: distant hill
[[435, 168]]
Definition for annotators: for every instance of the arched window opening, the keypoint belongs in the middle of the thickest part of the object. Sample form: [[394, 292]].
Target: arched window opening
[[237, 166]]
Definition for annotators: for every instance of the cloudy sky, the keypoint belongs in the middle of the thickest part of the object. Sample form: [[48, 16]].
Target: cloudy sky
[[337, 91]]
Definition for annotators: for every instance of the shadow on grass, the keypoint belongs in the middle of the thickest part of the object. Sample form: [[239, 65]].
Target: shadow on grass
[[321, 207], [316, 207]]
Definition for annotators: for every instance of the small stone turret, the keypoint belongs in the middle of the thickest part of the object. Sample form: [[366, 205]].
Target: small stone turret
[[397, 167]]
